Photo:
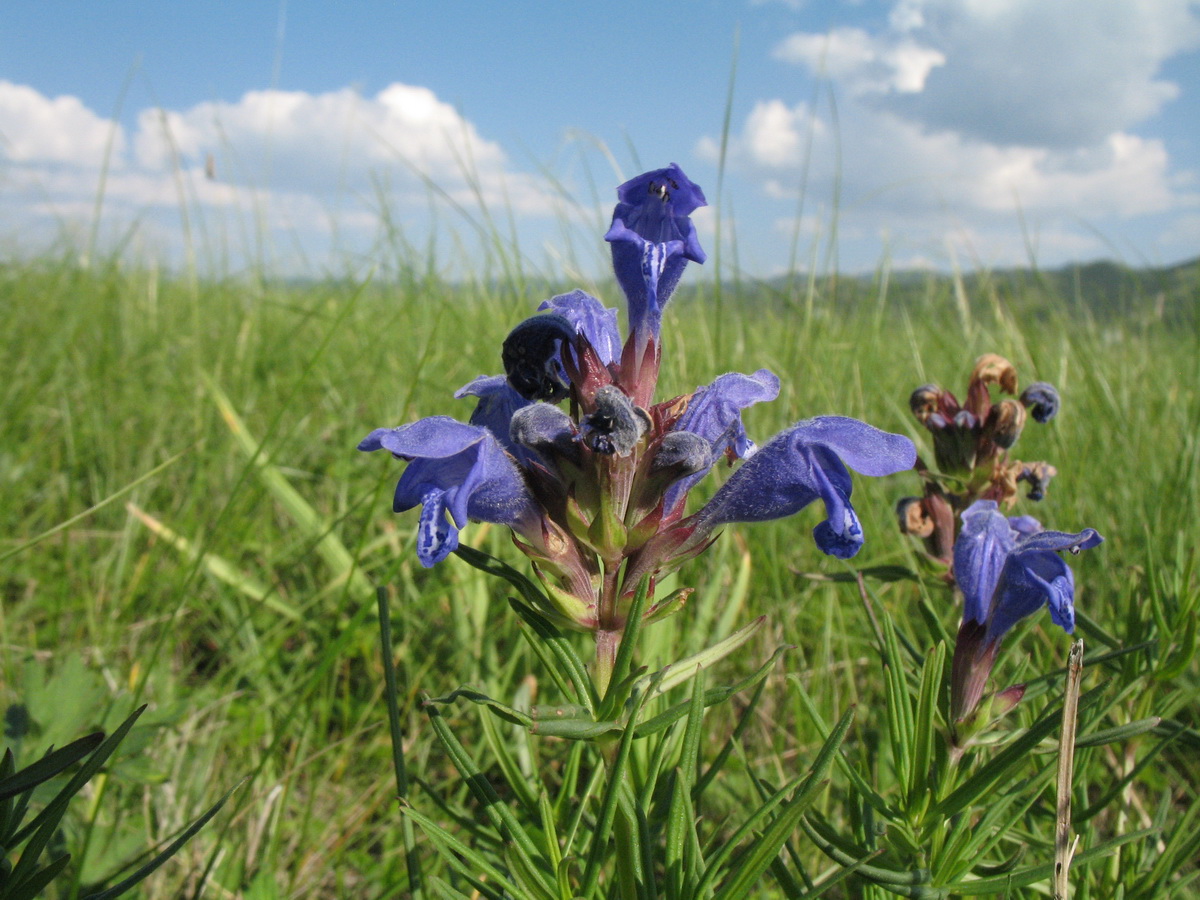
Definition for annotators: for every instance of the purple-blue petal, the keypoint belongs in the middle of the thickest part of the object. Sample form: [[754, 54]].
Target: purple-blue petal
[[983, 546], [1031, 580], [498, 401], [805, 463], [652, 240], [455, 472], [715, 414], [591, 319], [1010, 568]]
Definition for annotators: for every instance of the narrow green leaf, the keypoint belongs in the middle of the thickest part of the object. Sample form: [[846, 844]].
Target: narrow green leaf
[[34, 885], [569, 663], [1008, 758], [712, 697], [513, 775], [55, 808], [459, 855], [689, 753], [49, 765], [170, 850], [1119, 732], [679, 672], [739, 731], [1002, 884], [755, 861], [493, 807], [925, 726], [1118, 787], [868, 793], [505, 712], [906, 884], [608, 805]]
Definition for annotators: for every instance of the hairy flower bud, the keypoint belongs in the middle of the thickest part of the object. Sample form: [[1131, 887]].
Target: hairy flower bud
[[925, 401], [1005, 422], [616, 425], [1041, 399], [546, 429], [532, 357]]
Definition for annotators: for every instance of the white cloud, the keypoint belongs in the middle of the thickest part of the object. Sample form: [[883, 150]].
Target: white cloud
[[1062, 74], [34, 128], [863, 63], [305, 166], [984, 124]]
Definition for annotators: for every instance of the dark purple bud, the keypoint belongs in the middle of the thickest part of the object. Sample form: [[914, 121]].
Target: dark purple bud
[[616, 425], [681, 454], [924, 403], [1005, 422], [1038, 476], [1042, 401], [547, 430], [532, 356]]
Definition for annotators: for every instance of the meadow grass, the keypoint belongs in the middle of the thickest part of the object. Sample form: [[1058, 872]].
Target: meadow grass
[[146, 554]]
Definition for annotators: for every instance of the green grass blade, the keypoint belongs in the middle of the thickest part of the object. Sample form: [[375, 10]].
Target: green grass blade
[[170, 850]]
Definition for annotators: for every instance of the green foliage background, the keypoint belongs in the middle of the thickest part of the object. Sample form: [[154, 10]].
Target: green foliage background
[[259, 653]]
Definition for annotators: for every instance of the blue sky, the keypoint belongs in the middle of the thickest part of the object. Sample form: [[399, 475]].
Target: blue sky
[[916, 132]]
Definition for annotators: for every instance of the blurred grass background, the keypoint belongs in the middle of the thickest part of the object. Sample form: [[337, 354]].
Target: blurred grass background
[[145, 554]]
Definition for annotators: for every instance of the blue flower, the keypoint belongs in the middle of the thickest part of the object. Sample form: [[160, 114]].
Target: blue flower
[[592, 320], [498, 403], [652, 240], [459, 470], [715, 414], [805, 463], [1008, 569]]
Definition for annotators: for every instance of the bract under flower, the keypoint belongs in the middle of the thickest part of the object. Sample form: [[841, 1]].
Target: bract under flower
[[459, 470]]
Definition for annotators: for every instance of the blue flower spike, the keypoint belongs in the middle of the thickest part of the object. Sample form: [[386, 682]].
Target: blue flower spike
[[569, 450]]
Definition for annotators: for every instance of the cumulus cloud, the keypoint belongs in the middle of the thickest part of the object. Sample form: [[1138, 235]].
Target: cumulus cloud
[[37, 129], [955, 116], [865, 64], [310, 164], [1062, 74]]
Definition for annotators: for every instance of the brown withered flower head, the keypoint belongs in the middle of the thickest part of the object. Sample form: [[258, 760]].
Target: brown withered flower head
[[972, 446]]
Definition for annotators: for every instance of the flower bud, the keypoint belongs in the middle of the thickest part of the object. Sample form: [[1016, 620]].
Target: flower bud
[[1005, 422], [547, 430], [1042, 401], [925, 401], [1038, 476], [616, 425], [532, 356], [912, 517], [682, 453]]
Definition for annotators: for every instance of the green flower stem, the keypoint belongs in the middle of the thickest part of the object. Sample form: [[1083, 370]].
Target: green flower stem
[[607, 644]]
